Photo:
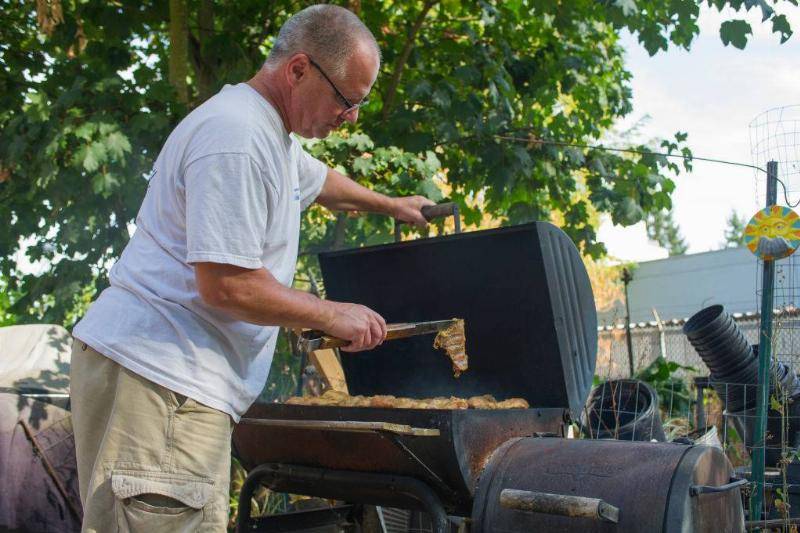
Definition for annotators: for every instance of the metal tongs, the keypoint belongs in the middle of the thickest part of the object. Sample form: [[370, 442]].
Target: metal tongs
[[312, 340]]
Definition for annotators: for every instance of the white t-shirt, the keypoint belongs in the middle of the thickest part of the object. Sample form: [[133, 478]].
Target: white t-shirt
[[228, 187]]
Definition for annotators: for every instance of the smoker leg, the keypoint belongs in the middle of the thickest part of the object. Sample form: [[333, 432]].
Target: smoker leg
[[304, 480], [251, 483]]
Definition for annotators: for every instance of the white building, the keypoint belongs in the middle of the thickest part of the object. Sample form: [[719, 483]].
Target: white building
[[679, 286]]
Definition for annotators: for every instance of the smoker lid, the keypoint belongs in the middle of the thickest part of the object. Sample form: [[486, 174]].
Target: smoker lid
[[523, 292]]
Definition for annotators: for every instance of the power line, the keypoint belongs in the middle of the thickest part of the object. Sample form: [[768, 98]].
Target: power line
[[529, 140], [627, 150]]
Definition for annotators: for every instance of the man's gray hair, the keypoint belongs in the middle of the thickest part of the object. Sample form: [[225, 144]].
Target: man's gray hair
[[329, 34]]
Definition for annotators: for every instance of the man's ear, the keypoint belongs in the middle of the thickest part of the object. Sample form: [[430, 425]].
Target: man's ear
[[297, 69]]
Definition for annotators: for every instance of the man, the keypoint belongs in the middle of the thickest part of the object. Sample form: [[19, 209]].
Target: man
[[180, 344]]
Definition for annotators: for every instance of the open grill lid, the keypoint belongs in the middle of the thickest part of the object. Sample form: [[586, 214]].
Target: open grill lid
[[523, 291]]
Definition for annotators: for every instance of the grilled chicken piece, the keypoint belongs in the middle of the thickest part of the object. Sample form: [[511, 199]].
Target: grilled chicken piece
[[487, 401], [387, 402], [409, 403], [453, 341], [513, 403], [445, 403]]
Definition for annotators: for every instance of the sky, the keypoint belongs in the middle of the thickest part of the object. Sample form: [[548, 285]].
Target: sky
[[713, 92]]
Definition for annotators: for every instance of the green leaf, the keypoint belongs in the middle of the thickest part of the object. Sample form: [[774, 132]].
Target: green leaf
[[362, 142], [85, 130], [117, 145], [735, 32], [363, 165], [429, 189], [781, 25], [514, 5], [775, 404], [628, 7], [94, 156], [104, 184]]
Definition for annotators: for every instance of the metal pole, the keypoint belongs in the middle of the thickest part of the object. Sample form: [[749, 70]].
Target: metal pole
[[764, 356], [627, 278], [662, 341]]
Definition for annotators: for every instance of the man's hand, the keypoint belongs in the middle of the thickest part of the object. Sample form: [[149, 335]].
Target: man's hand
[[363, 327], [409, 209]]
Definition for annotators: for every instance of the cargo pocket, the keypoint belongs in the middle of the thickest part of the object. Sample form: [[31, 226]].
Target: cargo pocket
[[156, 502]]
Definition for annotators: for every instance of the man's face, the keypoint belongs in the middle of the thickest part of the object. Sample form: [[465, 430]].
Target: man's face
[[317, 107]]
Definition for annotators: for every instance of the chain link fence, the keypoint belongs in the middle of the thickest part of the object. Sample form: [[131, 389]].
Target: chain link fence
[[652, 340]]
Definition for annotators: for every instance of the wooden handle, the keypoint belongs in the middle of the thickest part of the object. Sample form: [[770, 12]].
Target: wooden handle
[[437, 211], [431, 212], [559, 504]]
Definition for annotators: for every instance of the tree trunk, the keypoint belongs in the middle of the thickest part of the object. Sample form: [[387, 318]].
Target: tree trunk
[[178, 49], [204, 68]]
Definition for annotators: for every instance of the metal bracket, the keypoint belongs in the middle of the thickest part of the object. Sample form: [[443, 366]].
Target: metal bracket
[[438, 481]]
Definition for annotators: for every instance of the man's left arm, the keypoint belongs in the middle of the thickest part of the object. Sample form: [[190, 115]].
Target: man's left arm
[[340, 193]]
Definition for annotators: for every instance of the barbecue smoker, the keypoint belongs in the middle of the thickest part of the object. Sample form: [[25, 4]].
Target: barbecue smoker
[[531, 332]]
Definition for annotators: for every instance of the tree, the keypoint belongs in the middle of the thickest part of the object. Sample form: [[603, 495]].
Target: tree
[[734, 232], [479, 95], [662, 229]]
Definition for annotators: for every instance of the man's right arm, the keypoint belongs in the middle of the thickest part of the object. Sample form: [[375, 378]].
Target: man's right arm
[[255, 296]]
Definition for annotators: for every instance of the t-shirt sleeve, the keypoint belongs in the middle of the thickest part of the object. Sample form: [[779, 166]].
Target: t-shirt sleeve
[[226, 210], [311, 174]]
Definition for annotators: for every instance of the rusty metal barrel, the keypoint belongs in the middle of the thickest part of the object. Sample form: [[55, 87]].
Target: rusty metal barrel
[[553, 484]]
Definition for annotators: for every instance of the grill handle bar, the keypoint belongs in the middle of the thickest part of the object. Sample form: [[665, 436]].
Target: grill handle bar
[[304, 479], [344, 425], [559, 504], [697, 490], [431, 212]]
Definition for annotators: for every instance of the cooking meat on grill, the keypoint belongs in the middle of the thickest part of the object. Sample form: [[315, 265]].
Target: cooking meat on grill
[[341, 399], [453, 341], [487, 401]]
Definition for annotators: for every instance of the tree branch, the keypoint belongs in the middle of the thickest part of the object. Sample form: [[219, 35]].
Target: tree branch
[[402, 59]]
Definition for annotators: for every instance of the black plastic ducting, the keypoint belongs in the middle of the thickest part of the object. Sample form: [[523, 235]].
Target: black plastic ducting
[[733, 366], [623, 409], [732, 361]]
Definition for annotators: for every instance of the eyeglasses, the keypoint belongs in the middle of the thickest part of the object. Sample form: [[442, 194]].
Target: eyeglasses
[[348, 107]]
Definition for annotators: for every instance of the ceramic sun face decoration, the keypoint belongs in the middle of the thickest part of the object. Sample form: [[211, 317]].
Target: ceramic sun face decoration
[[773, 233]]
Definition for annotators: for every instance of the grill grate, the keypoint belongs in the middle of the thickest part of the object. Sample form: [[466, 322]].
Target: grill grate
[[394, 520]]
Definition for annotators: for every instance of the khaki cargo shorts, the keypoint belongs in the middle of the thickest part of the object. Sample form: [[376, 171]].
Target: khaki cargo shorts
[[148, 460]]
